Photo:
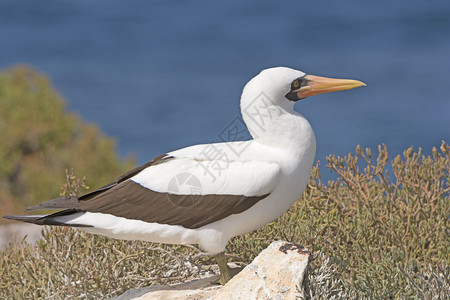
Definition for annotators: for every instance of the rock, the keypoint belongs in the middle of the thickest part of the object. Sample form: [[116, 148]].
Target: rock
[[195, 289], [276, 273]]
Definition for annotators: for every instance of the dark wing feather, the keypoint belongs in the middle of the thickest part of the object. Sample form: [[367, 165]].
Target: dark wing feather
[[133, 201], [58, 203], [128, 199]]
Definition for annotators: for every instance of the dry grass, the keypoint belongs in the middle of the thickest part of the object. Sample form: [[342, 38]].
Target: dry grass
[[374, 234]]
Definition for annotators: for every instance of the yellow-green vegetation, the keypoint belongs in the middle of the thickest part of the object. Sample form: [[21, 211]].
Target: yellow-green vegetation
[[373, 235], [39, 140]]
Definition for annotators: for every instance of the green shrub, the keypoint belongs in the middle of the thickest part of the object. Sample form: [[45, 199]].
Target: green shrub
[[39, 140], [374, 234]]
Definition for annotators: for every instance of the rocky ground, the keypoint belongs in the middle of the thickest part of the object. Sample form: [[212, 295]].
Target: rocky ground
[[278, 272]]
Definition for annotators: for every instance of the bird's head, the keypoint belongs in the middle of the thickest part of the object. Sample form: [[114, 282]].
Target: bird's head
[[284, 86], [270, 96]]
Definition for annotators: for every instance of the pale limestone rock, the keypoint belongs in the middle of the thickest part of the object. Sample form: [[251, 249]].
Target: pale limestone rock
[[276, 273], [195, 289]]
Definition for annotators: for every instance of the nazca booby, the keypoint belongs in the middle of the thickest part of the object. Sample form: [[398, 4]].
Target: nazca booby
[[207, 194]]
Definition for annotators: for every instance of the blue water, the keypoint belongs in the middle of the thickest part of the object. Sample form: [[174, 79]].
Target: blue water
[[161, 75]]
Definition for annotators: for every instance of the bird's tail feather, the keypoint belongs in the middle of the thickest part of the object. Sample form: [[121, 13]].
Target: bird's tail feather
[[59, 203], [46, 219], [35, 219]]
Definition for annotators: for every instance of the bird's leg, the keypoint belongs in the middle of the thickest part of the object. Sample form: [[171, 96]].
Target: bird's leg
[[226, 273]]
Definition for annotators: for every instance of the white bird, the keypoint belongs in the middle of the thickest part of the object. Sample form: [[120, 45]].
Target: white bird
[[207, 194]]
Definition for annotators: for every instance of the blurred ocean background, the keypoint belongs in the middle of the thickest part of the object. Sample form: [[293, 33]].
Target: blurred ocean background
[[161, 75]]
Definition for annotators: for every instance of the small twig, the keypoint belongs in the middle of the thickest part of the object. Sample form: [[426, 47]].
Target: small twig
[[194, 248], [178, 260], [202, 254]]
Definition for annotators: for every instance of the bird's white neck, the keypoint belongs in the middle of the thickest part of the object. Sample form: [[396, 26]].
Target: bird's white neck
[[272, 124]]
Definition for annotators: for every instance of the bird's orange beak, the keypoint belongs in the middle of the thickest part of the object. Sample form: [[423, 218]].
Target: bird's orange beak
[[316, 85]]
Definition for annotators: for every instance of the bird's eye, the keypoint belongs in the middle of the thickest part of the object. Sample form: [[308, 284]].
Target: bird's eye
[[296, 84]]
